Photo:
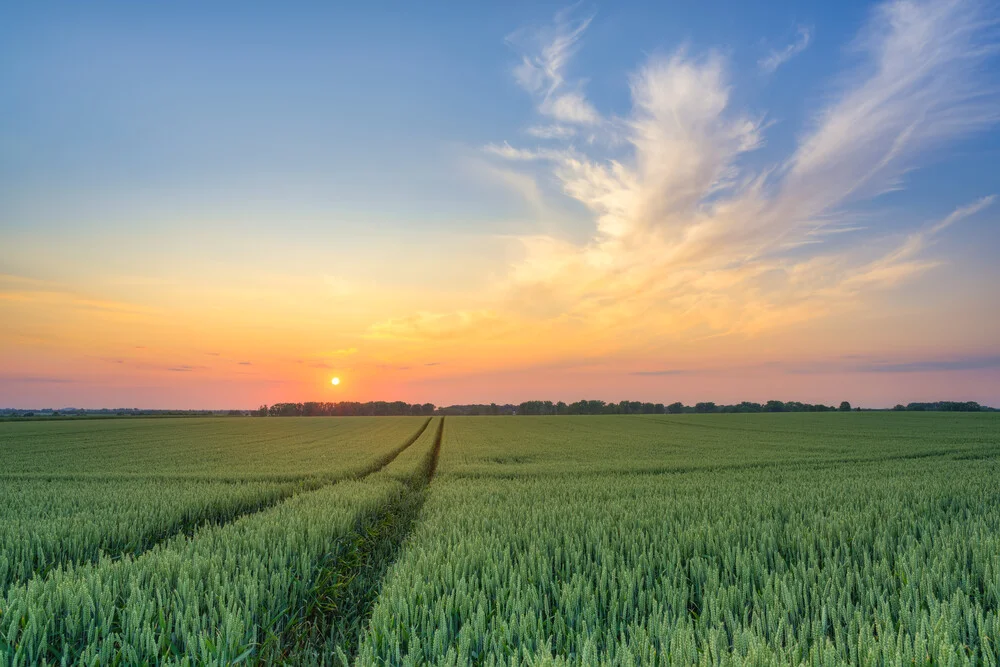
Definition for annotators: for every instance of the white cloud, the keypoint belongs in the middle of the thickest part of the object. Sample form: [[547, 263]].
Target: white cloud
[[545, 52], [508, 152], [570, 108], [924, 85], [555, 131], [689, 242], [777, 58]]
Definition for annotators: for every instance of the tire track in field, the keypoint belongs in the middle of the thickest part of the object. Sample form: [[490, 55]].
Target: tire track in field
[[333, 637], [188, 528]]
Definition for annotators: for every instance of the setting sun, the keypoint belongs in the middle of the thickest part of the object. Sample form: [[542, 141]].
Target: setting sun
[[335, 381]]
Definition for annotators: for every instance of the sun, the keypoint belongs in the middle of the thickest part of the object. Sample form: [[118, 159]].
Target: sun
[[335, 381]]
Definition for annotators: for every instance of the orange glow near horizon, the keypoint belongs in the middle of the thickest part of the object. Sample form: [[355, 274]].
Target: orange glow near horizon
[[72, 349]]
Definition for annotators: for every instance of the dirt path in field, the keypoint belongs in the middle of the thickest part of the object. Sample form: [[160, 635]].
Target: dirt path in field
[[332, 636]]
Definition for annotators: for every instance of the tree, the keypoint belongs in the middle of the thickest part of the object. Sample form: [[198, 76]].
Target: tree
[[899, 407], [675, 408], [776, 406], [845, 406]]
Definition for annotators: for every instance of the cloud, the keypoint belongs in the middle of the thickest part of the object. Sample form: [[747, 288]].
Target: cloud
[[935, 365], [58, 297], [244, 363], [555, 131], [522, 184], [689, 242], [861, 364], [923, 82], [438, 326], [508, 152], [570, 108], [777, 58], [545, 52], [903, 261]]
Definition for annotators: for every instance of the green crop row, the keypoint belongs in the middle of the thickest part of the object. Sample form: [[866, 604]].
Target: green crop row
[[226, 594], [644, 540], [514, 447], [888, 561], [234, 449], [45, 524]]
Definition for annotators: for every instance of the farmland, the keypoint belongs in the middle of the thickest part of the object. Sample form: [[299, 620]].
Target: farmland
[[828, 538]]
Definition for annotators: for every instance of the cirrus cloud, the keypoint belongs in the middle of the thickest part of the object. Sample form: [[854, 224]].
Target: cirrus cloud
[[689, 242]]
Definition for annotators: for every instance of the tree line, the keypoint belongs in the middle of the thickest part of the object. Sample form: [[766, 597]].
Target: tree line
[[944, 406], [345, 409], [585, 407], [676, 408], [393, 408]]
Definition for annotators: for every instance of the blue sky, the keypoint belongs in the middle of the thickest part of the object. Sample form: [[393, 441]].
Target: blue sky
[[354, 112], [358, 113], [170, 155]]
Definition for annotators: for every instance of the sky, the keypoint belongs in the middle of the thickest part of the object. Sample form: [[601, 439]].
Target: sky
[[227, 205]]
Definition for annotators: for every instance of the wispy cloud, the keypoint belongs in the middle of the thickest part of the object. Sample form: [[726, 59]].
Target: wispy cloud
[[861, 364], [778, 57], [554, 131], [440, 326], [30, 292], [691, 243], [934, 365], [545, 52]]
